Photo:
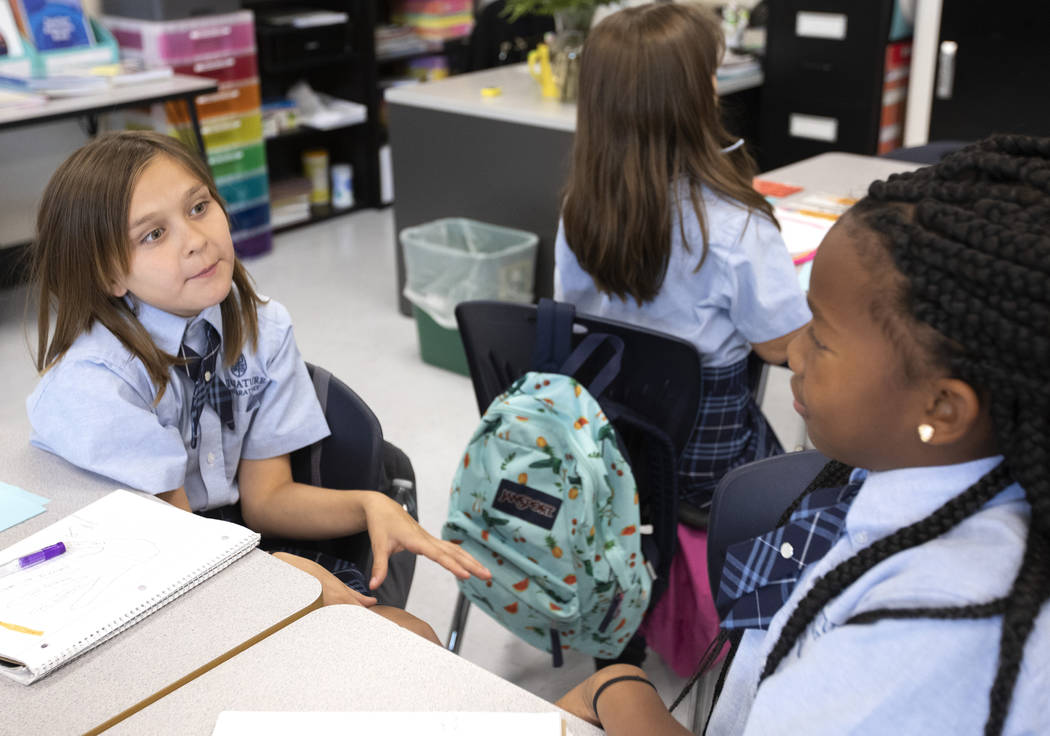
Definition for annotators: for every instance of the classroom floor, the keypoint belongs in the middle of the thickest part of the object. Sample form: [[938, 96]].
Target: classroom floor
[[338, 281]]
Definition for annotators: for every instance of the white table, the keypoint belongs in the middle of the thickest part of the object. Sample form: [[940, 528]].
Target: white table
[[339, 658], [845, 174], [247, 601]]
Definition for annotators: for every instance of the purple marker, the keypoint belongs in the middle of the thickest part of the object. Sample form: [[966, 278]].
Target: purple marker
[[34, 558]]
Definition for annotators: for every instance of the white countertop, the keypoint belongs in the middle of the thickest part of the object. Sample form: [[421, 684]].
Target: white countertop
[[520, 101]]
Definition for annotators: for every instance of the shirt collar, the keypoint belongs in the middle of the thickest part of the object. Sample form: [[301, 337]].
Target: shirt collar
[[891, 499], [167, 329]]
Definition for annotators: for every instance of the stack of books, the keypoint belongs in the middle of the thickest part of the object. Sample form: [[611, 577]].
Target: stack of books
[[436, 19], [394, 41]]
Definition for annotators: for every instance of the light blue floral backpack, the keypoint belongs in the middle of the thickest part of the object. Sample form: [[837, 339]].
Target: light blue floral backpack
[[544, 497]]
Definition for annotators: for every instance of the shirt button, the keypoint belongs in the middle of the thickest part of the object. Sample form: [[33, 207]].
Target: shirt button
[[207, 375], [211, 458], [786, 550], [862, 537]]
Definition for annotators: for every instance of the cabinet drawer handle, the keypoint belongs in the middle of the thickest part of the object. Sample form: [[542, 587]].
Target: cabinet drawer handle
[[946, 69]]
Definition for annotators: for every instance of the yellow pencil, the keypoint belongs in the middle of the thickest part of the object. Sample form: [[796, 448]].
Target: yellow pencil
[[815, 213], [21, 629]]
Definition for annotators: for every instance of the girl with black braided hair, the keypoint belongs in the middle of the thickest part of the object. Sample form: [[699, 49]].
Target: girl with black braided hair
[[926, 375]]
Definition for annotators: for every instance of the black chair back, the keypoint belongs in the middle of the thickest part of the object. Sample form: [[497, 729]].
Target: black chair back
[[749, 501], [659, 375], [352, 455], [356, 457]]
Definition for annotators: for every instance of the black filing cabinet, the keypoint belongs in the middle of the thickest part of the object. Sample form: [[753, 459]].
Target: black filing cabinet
[[824, 77]]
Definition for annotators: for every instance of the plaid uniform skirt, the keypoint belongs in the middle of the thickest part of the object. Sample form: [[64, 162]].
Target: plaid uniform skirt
[[345, 570], [730, 431]]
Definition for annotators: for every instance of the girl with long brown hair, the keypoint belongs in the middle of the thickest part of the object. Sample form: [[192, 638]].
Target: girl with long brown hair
[[662, 228], [162, 369]]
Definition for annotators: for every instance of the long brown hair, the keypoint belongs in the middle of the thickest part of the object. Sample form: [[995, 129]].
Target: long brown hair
[[82, 246], [647, 119]]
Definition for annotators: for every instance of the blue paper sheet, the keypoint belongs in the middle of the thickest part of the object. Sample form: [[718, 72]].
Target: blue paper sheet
[[17, 505]]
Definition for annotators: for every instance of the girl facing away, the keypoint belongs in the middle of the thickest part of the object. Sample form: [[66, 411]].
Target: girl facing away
[[662, 228], [165, 371], [925, 375]]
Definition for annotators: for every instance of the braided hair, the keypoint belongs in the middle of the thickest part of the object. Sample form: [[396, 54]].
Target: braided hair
[[970, 242]]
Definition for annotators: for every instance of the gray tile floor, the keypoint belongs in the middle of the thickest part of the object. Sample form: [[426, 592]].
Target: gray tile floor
[[338, 281]]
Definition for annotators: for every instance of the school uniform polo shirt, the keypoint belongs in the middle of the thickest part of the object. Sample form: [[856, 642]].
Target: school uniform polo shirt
[[98, 408], [746, 291], [910, 676]]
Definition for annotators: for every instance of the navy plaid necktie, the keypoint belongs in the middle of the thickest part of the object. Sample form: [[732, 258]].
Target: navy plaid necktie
[[207, 387], [760, 573]]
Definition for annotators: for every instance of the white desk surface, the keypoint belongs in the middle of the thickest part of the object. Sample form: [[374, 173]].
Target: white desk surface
[[844, 174], [339, 658], [520, 102], [840, 174], [248, 600], [173, 86]]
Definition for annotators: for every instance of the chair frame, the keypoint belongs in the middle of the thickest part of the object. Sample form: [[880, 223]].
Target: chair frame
[[748, 501]]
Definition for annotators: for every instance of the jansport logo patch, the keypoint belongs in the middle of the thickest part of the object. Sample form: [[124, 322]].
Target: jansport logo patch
[[527, 504]]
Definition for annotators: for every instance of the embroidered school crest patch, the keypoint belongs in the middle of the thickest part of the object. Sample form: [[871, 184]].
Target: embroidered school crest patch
[[240, 366]]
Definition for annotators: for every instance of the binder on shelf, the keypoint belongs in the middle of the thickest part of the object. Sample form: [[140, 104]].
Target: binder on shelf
[[52, 25], [57, 61]]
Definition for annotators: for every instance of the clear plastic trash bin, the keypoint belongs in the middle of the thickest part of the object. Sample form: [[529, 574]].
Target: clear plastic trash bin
[[456, 259]]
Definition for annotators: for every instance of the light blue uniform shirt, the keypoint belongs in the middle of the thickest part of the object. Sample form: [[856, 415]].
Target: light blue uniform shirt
[[911, 676], [746, 291], [95, 408]]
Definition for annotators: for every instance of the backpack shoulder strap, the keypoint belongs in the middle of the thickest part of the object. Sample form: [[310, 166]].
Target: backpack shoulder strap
[[553, 335]]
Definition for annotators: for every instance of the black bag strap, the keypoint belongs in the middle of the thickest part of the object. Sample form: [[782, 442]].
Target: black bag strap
[[553, 335], [553, 351], [583, 353]]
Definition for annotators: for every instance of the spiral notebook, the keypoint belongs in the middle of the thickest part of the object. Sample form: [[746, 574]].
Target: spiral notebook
[[127, 555]]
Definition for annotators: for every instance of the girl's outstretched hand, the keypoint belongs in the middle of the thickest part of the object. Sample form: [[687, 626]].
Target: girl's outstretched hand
[[392, 529]]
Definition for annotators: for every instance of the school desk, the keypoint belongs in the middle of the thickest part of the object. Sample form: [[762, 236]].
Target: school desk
[[845, 175], [500, 159], [250, 599], [339, 658]]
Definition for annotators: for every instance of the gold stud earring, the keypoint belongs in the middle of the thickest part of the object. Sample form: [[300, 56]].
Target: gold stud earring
[[926, 433]]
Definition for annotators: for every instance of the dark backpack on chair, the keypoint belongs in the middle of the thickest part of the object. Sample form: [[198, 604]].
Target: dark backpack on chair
[[356, 457], [353, 457]]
